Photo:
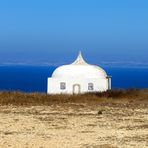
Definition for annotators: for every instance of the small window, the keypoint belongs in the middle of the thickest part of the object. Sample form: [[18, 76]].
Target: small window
[[90, 86], [62, 85]]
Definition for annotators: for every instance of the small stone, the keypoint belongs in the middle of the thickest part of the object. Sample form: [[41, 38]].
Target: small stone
[[100, 112]]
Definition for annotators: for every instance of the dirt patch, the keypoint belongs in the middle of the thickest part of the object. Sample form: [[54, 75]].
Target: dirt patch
[[74, 121]]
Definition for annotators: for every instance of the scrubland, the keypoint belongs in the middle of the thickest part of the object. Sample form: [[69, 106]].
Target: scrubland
[[117, 118]]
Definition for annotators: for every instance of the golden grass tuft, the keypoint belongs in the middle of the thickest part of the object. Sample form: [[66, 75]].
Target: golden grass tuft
[[19, 98]]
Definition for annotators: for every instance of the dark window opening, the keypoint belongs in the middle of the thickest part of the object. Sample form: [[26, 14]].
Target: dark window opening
[[90, 86], [62, 85]]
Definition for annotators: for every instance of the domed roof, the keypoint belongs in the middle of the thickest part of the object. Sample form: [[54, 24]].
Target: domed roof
[[79, 69]]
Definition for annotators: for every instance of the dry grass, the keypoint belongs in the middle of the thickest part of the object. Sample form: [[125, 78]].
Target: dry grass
[[112, 119], [18, 98]]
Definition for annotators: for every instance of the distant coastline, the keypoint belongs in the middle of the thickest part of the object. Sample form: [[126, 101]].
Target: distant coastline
[[111, 64]]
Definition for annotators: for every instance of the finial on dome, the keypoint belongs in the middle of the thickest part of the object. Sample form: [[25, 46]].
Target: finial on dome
[[80, 55], [79, 60]]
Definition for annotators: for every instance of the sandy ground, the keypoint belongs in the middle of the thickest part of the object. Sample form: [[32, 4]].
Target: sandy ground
[[74, 125]]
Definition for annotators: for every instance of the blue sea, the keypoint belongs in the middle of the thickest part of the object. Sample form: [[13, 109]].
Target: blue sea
[[34, 78]]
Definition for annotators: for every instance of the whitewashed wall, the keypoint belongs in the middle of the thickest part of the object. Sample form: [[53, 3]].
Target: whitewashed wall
[[54, 85]]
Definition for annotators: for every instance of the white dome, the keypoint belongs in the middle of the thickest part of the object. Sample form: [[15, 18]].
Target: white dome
[[79, 69]]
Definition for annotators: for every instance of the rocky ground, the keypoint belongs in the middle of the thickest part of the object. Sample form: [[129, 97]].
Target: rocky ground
[[75, 124]]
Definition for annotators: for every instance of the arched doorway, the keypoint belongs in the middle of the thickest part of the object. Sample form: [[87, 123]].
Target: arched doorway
[[76, 89]]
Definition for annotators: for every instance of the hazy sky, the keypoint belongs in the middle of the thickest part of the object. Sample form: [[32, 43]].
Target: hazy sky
[[53, 31]]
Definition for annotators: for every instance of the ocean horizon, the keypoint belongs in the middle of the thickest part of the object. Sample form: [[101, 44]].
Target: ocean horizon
[[34, 78]]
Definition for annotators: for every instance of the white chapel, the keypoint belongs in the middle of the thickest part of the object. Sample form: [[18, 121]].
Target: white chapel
[[78, 78]]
